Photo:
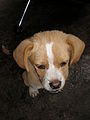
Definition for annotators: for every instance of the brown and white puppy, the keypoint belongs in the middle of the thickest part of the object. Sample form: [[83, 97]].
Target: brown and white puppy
[[46, 57]]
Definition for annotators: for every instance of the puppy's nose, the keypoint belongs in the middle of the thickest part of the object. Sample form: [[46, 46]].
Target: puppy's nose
[[55, 84]]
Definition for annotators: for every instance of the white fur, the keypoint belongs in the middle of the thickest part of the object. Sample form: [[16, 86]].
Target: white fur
[[52, 73]]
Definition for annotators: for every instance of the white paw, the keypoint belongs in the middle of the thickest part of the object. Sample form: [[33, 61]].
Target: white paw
[[33, 92]]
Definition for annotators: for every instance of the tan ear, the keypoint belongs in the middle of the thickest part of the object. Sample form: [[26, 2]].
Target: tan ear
[[18, 53], [21, 55], [77, 47], [27, 53], [29, 66]]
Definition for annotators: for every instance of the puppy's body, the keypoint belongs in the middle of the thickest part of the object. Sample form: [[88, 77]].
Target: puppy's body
[[46, 57]]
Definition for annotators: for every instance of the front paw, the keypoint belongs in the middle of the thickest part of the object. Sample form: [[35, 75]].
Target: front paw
[[33, 92]]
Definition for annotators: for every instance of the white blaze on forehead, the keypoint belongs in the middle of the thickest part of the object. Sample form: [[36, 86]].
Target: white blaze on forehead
[[49, 52], [52, 72]]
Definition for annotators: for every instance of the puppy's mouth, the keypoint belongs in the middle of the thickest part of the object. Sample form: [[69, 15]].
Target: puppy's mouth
[[52, 89], [55, 91]]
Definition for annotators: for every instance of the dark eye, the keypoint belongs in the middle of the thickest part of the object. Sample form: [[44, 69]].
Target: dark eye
[[41, 66], [63, 64]]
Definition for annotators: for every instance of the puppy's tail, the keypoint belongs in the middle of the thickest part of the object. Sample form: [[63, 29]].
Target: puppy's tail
[[6, 50]]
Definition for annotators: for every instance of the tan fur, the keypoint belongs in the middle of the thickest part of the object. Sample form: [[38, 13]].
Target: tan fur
[[33, 51], [77, 47], [18, 53], [21, 55]]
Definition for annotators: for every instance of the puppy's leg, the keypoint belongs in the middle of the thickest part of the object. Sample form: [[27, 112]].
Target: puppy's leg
[[33, 91], [32, 84]]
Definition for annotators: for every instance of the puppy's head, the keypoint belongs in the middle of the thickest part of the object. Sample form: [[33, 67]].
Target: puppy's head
[[50, 53]]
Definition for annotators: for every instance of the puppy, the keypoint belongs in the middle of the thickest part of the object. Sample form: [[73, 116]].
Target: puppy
[[46, 57]]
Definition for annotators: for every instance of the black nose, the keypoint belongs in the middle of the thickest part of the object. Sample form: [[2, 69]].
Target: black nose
[[55, 84]]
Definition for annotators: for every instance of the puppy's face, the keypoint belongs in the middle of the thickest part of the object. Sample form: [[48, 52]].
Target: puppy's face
[[50, 53], [51, 62]]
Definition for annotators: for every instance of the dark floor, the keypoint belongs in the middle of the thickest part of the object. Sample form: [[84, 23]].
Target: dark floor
[[73, 103]]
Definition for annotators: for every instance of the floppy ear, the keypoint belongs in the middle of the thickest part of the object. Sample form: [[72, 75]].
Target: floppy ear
[[77, 47], [27, 62], [18, 53], [21, 55], [29, 66]]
